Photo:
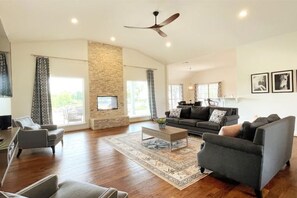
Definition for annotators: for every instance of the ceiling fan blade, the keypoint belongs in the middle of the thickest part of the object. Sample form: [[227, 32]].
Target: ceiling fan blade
[[137, 27], [169, 20], [160, 32]]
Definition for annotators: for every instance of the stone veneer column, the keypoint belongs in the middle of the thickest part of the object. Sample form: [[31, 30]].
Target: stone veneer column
[[106, 79]]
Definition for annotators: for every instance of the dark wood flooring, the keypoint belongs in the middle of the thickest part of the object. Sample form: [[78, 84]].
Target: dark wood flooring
[[86, 157]]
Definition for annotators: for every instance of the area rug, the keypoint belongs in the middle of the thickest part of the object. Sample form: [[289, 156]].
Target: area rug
[[179, 167]]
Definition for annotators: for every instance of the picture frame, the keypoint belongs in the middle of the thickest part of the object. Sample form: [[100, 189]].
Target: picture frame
[[260, 83], [282, 81]]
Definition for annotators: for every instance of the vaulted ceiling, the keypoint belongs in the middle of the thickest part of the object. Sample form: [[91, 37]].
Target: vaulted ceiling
[[204, 26]]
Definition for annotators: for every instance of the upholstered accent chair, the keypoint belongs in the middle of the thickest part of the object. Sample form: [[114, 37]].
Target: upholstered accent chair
[[32, 135], [48, 187]]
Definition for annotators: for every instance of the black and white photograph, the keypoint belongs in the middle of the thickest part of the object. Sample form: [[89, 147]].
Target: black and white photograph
[[260, 83], [282, 81]]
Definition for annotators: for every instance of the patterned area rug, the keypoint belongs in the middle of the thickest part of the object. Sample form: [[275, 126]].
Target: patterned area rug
[[179, 167]]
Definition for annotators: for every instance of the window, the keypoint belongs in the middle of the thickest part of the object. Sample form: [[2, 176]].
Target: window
[[67, 95], [208, 91], [137, 98], [175, 94]]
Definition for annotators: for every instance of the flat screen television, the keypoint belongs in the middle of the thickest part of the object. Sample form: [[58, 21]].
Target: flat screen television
[[5, 122], [107, 103]]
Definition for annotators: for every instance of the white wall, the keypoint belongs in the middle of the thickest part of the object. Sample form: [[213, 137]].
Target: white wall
[[135, 58], [24, 71], [273, 54]]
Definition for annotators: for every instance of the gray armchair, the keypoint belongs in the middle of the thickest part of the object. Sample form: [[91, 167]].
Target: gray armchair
[[32, 135], [48, 187], [253, 163]]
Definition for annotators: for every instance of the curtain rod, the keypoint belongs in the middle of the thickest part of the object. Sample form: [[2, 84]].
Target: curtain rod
[[139, 67], [6, 52], [57, 57]]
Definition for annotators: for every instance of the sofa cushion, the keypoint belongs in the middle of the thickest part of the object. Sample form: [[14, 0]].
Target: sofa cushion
[[172, 120], [201, 113], [189, 122], [217, 116], [249, 129], [185, 112], [208, 125], [175, 113], [273, 118]]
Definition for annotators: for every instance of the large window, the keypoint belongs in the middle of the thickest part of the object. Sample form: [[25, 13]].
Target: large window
[[137, 98], [67, 95], [175, 94], [208, 93]]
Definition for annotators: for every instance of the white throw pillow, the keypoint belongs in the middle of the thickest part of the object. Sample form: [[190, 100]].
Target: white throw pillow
[[217, 116], [175, 113]]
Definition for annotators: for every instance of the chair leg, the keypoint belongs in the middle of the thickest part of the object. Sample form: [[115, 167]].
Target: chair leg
[[62, 142], [258, 193], [19, 153], [288, 163], [53, 148]]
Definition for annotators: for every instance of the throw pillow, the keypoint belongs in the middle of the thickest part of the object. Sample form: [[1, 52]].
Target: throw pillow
[[200, 113], [217, 116], [175, 113], [32, 127], [249, 129], [273, 118], [231, 130]]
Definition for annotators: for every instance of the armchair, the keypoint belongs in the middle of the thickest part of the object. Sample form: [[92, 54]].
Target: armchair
[[32, 135], [49, 187]]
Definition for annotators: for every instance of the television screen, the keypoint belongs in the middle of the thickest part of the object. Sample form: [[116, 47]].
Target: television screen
[[107, 102], [5, 122]]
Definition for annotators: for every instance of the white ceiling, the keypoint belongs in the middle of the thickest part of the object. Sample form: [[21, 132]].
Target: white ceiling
[[204, 27]]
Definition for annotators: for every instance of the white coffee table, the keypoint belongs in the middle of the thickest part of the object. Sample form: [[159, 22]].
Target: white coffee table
[[169, 134]]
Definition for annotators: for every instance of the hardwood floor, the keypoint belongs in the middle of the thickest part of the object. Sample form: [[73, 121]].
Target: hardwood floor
[[86, 157]]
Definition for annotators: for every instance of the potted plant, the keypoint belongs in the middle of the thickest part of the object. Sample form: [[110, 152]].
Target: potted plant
[[161, 122]]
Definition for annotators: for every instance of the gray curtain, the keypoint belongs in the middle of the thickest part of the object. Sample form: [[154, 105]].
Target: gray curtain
[[5, 89], [41, 111], [151, 93]]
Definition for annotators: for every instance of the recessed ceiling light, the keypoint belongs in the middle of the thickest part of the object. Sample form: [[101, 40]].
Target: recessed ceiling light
[[74, 20], [242, 14], [168, 44], [112, 38]]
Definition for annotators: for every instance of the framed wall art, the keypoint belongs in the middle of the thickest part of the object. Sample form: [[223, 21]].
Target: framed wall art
[[260, 83], [282, 81]]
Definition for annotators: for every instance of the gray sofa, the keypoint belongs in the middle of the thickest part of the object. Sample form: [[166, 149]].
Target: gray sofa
[[48, 187], [196, 119], [32, 135], [255, 162]]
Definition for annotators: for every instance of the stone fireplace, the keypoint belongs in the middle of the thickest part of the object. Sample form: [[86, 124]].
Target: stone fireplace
[[106, 79]]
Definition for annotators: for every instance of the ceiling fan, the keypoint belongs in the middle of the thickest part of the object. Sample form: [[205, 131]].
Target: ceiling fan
[[157, 27]]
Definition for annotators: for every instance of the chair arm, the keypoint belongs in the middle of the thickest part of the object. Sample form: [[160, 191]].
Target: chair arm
[[229, 120], [233, 143], [45, 187], [49, 127], [167, 113], [32, 138], [109, 193]]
